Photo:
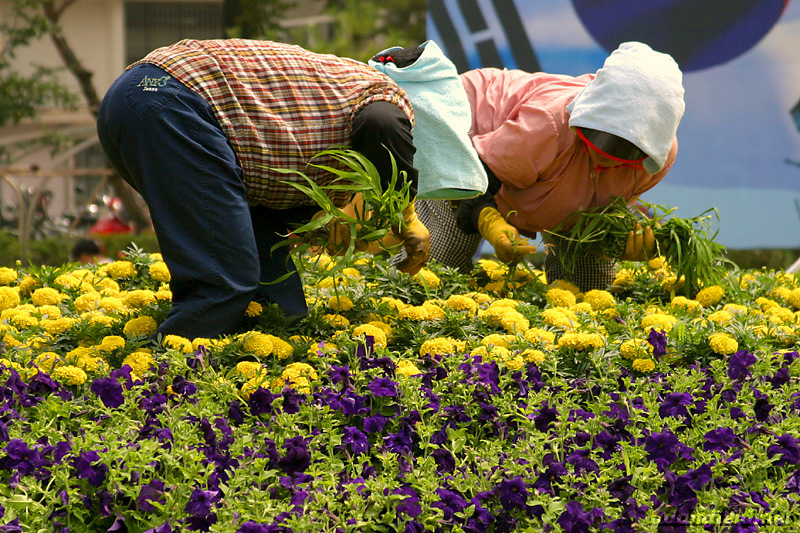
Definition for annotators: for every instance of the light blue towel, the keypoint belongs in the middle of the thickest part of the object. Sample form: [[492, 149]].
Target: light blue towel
[[449, 167]]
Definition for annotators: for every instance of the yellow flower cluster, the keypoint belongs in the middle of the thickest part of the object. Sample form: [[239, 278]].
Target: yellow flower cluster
[[710, 296], [377, 334], [560, 297], [442, 346], [660, 321], [599, 300], [581, 341], [427, 278], [636, 349], [560, 318], [722, 343]]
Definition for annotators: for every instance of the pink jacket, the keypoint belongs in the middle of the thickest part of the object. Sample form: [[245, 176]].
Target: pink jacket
[[520, 129]]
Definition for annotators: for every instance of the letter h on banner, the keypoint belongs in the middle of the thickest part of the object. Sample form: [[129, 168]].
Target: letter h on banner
[[455, 43]]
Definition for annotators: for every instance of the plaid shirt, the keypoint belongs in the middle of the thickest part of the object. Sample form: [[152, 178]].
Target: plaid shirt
[[279, 105]]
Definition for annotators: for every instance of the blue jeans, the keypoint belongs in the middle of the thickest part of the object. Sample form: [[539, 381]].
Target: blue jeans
[[164, 140]]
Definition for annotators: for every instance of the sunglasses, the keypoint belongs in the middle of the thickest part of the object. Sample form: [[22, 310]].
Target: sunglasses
[[611, 146]]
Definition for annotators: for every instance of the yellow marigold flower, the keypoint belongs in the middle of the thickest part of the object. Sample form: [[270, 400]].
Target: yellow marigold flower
[[89, 362], [655, 263], [258, 343], [164, 295], [438, 346], [737, 309], [8, 363], [121, 269], [248, 369], [417, 313], [782, 293], [685, 303], [7, 276], [280, 348], [720, 317], [112, 304], [531, 355], [140, 326], [722, 343], [480, 298], [159, 271], [322, 261], [340, 303], [710, 295], [566, 285], [624, 278], [27, 285], [46, 361], [24, 321], [599, 300], [636, 349], [111, 343], [377, 334], [537, 335], [351, 272], [496, 339], [406, 368], [47, 311], [140, 362], [67, 281], [88, 301], [69, 375], [514, 363], [294, 370], [11, 341], [581, 341], [643, 365], [672, 283], [337, 321], [435, 311], [383, 326], [254, 309], [176, 342], [95, 317], [107, 286], [661, 321], [560, 297], [780, 314], [490, 352], [513, 321], [57, 326], [427, 278], [584, 308], [560, 317], [138, 298], [459, 302], [766, 303], [47, 296]]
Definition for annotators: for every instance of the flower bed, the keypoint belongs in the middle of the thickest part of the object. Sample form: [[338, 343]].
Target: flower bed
[[437, 402]]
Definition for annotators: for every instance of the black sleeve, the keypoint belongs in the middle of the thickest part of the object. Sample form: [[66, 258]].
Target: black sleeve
[[468, 210]]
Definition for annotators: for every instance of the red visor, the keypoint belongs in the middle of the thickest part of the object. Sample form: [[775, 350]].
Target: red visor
[[602, 152]]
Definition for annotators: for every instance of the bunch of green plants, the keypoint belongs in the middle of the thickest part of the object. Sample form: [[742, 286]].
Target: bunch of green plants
[[378, 214], [687, 244]]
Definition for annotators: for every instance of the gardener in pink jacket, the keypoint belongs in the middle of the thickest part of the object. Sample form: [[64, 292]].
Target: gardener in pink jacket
[[553, 144], [202, 129]]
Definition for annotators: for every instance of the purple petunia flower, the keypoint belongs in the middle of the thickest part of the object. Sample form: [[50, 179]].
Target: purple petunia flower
[[95, 474], [255, 527], [355, 440], [151, 492], [575, 520], [739, 363], [719, 440], [400, 442], [11, 527], [260, 401], [445, 462], [674, 405], [658, 340], [383, 387], [182, 386], [786, 447], [375, 423], [297, 457], [109, 391], [200, 502], [163, 528], [450, 502], [545, 418], [513, 493], [662, 446], [410, 506], [21, 458]]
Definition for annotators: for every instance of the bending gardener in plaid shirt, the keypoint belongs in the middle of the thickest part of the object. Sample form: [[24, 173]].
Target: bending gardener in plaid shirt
[[195, 128]]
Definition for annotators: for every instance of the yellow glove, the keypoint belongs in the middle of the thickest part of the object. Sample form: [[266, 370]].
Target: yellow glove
[[508, 245], [640, 245], [339, 236], [416, 241]]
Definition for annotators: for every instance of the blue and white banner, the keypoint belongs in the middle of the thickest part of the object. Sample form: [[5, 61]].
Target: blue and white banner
[[739, 141]]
